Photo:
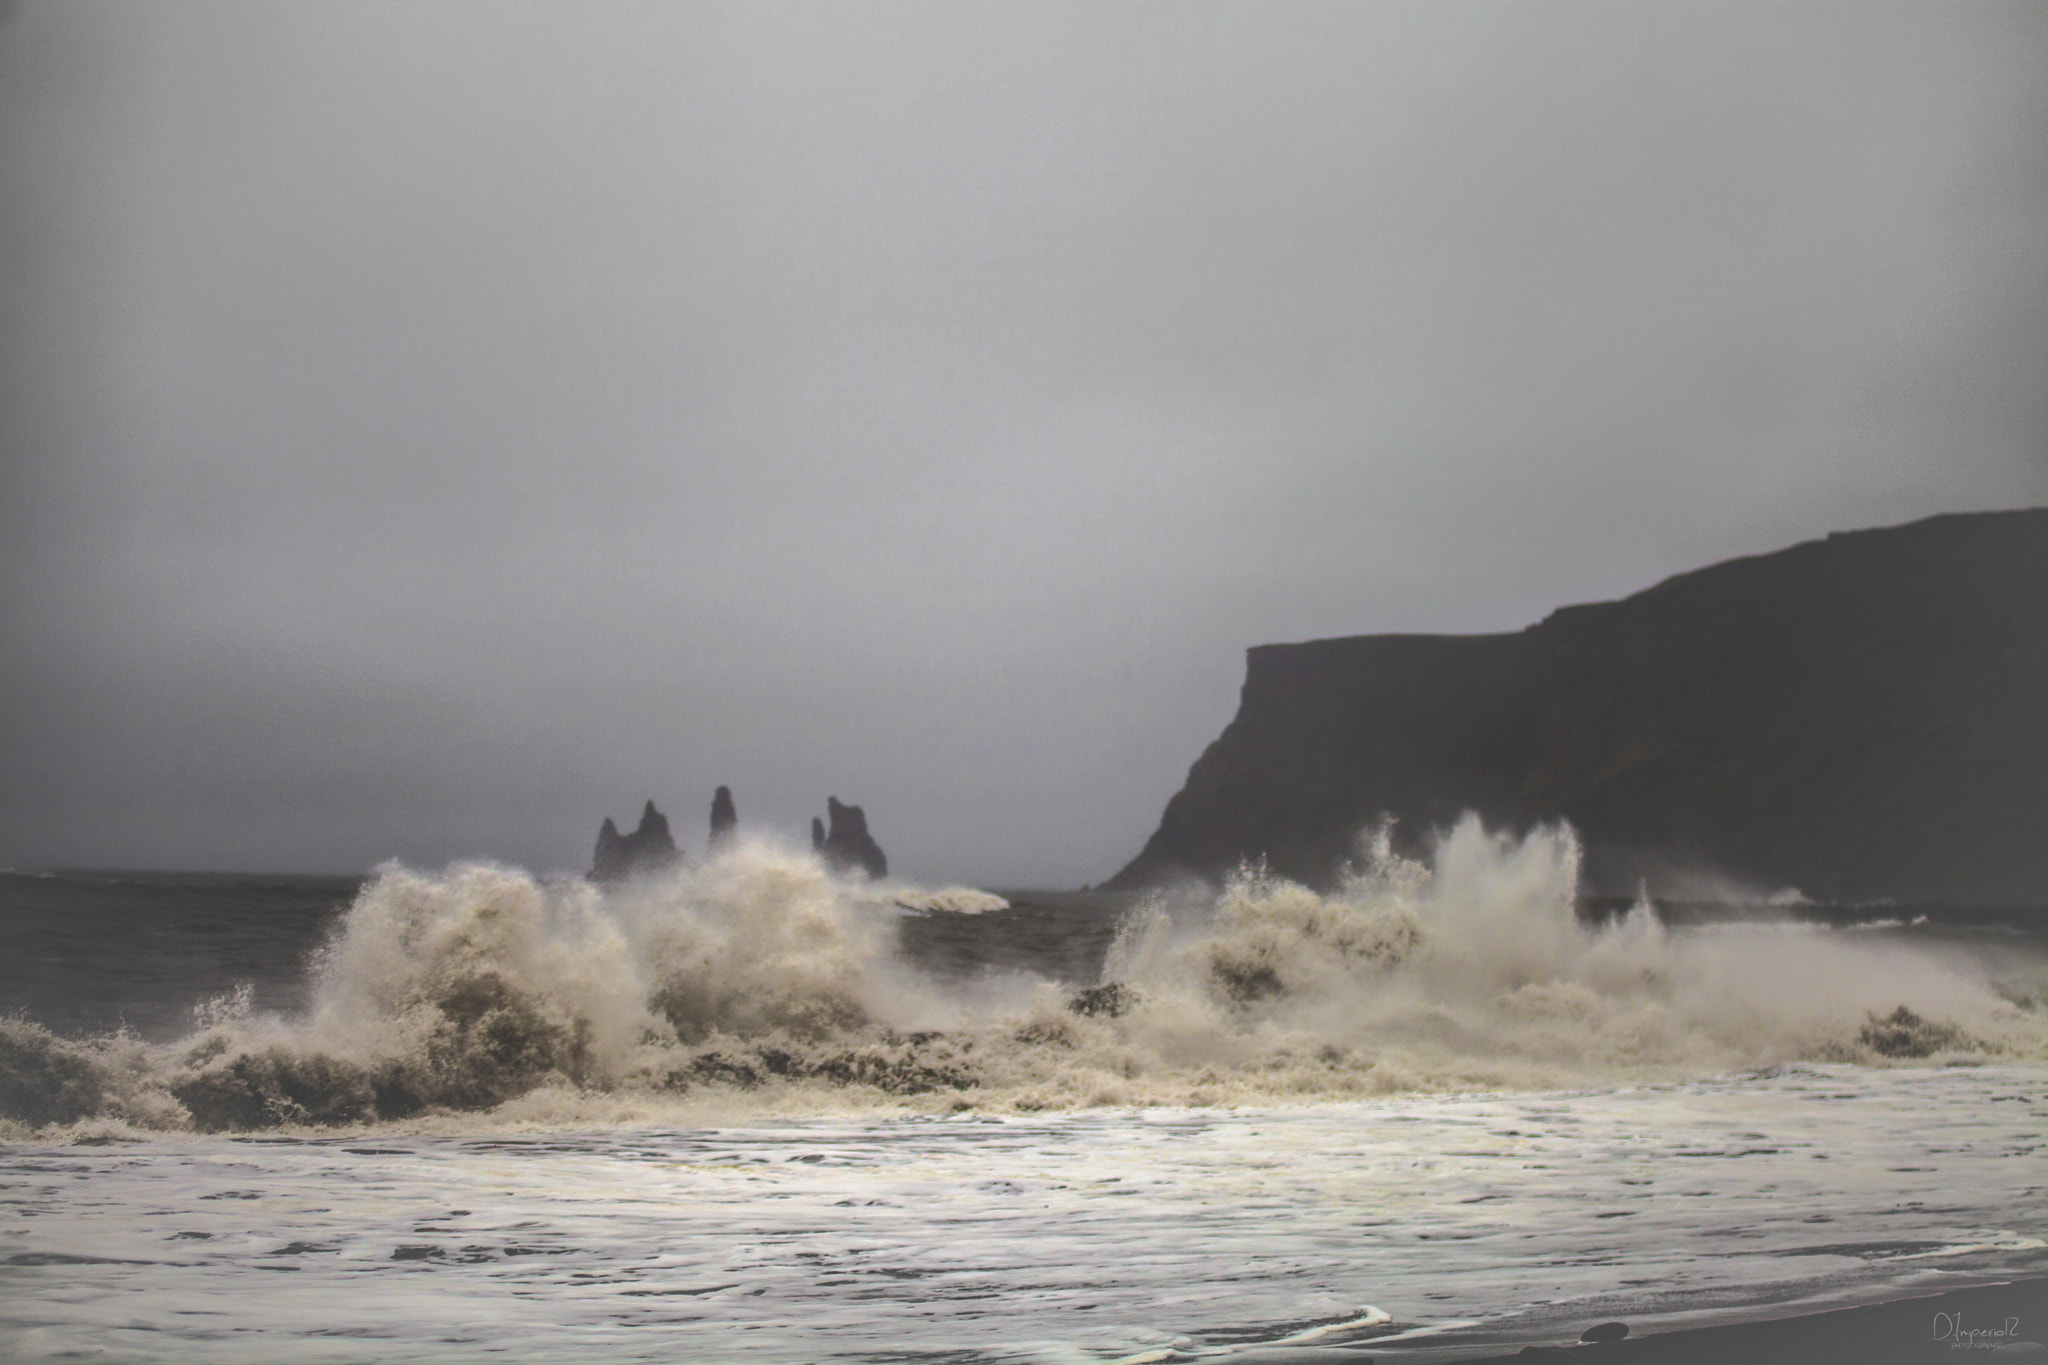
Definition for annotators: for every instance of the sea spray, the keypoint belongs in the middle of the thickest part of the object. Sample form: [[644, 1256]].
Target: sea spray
[[758, 982], [1478, 970]]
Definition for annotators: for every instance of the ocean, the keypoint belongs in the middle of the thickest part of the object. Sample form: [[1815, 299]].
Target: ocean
[[750, 1110]]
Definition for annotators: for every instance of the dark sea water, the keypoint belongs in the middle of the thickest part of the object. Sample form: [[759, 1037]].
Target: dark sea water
[[752, 1111], [88, 952], [95, 952]]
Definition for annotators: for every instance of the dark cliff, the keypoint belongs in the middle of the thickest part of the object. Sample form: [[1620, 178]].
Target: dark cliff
[[1861, 717]]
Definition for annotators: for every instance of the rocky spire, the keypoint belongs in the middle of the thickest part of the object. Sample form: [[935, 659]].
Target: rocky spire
[[725, 818], [848, 844], [647, 849]]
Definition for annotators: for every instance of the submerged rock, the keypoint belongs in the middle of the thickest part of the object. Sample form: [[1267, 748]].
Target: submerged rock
[[847, 844], [1903, 1033], [1112, 1001], [725, 818], [1605, 1331], [647, 849]]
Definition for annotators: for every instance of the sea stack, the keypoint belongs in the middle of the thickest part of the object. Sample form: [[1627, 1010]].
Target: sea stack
[[647, 849], [847, 844], [724, 819]]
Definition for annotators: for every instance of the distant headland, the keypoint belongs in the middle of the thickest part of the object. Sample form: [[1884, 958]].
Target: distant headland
[[1863, 717]]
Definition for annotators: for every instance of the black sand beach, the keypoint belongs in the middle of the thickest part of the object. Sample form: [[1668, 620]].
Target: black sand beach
[[1997, 1321]]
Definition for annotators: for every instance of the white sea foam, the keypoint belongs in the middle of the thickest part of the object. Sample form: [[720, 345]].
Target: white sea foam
[[953, 900], [1256, 1234], [758, 983]]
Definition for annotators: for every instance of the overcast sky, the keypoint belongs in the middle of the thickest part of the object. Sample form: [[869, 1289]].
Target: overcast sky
[[429, 428]]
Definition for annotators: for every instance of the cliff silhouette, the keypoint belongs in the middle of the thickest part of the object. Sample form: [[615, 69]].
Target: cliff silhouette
[[1862, 717]]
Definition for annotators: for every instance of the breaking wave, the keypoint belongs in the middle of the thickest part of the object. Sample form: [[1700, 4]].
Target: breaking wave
[[759, 983]]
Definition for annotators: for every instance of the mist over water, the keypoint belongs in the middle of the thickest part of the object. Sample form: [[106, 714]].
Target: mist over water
[[758, 983]]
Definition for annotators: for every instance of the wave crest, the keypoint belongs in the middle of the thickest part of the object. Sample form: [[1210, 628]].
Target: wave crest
[[759, 980]]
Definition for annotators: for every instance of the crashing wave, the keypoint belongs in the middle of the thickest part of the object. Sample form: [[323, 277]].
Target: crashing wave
[[758, 981]]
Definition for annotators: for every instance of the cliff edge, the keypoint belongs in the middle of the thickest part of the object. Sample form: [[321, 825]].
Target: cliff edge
[[1860, 717]]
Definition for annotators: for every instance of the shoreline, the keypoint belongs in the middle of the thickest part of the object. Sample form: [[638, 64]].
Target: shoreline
[[1999, 1321]]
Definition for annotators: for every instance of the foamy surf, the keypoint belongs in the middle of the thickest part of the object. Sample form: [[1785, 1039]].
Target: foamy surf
[[950, 900], [759, 984], [1257, 1233]]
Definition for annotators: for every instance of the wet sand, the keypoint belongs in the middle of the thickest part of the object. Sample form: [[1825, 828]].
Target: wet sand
[[1989, 1322]]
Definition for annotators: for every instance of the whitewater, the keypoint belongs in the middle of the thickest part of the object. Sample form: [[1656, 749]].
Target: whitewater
[[748, 1108]]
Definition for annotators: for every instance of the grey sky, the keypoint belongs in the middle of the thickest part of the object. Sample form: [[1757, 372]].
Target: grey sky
[[429, 428]]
